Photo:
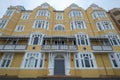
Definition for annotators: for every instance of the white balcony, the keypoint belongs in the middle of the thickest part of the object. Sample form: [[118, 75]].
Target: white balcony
[[10, 47], [101, 48], [59, 47]]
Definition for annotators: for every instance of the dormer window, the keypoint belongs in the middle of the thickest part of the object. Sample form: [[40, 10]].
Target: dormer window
[[94, 6], [74, 6], [45, 5]]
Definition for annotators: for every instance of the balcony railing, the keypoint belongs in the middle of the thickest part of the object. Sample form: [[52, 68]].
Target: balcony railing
[[102, 48], [13, 47], [59, 47]]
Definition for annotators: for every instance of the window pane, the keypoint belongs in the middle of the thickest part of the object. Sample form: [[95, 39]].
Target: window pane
[[87, 64], [8, 62], [41, 62], [3, 63], [115, 64], [77, 63], [36, 63], [31, 62], [35, 40]]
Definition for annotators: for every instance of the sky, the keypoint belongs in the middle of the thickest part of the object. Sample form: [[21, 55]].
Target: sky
[[57, 4]]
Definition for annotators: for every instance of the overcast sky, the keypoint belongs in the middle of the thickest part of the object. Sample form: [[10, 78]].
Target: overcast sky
[[57, 4]]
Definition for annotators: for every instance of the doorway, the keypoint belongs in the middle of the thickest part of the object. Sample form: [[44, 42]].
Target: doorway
[[59, 65]]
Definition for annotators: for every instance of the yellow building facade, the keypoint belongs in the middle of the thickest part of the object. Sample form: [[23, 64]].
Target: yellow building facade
[[46, 42]]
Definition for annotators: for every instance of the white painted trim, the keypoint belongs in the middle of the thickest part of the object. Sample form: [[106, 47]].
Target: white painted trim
[[51, 62], [38, 58], [79, 59], [4, 57]]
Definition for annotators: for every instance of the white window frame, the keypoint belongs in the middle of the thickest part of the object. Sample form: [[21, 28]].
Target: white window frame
[[99, 14], [26, 63], [6, 56], [43, 13], [74, 6], [75, 13], [44, 24], [45, 5], [25, 16], [59, 16], [75, 24], [85, 39], [32, 38], [19, 28], [104, 26], [113, 37], [57, 26], [115, 57], [80, 60], [3, 23], [9, 12]]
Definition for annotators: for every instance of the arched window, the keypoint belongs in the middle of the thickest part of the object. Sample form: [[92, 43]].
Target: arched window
[[85, 60], [33, 60], [36, 39], [59, 27]]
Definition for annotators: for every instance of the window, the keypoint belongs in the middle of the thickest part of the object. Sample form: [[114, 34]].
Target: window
[[82, 39], [36, 39], [33, 60], [115, 59], [25, 16], [6, 60], [59, 27], [45, 5], [99, 26], [75, 13], [104, 25], [94, 6], [43, 13], [114, 39], [99, 14], [9, 12], [77, 24], [59, 16], [85, 60], [41, 24], [3, 23], [74, 6], [19, 28]]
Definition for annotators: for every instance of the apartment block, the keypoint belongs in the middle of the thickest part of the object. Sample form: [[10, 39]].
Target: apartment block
[[45, 42]]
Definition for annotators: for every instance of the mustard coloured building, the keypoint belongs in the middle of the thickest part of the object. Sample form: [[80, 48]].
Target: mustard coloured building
[[45, 42]]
